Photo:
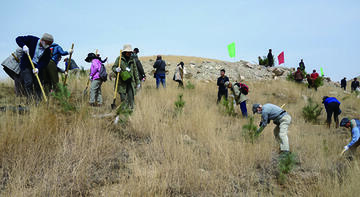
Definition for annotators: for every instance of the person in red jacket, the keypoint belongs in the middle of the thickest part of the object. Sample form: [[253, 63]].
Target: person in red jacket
[[314, 74]]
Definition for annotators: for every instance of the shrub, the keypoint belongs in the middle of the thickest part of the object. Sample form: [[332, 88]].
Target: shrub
[[249, 131], [319, 82], [264, 61], [190, 86], [311, 111], [62, 95], [285, 165], [179, 104], [229, 106]]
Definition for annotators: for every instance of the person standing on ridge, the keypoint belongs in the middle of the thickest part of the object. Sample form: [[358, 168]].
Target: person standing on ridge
[[223, 91], [302, 65], [354, 85], [270, 58], [343, 83]]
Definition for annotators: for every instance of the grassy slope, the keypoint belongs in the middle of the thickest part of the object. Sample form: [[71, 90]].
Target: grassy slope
[[48, 152]]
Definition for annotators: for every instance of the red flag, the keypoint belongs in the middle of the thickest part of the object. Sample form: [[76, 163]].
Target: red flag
[[281, 58]]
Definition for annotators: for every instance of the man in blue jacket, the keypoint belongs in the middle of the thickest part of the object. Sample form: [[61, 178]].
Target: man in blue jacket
[[332, 106], [50, 73], [354, 126], [40, 53], [160, 72]]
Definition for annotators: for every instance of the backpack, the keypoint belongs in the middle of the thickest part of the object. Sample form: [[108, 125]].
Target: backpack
[[103, 74], [243, 88]]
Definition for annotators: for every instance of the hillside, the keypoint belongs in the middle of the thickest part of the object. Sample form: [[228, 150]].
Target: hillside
[[157, 151]]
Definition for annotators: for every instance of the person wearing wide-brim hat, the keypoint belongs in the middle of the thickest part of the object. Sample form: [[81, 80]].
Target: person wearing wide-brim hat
[[129, 77], [96, 82], [354, 126]]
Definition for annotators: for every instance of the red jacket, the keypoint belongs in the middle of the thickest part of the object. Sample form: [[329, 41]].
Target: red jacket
[[314, 75]]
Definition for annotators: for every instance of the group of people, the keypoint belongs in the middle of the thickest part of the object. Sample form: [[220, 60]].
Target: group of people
[[280, 117], [299, 75], [45, 55], [355, 86]]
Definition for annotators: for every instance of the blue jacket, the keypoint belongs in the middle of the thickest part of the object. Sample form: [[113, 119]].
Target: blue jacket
[[330, 100], [31, 42], [57, 52], [355, 131]]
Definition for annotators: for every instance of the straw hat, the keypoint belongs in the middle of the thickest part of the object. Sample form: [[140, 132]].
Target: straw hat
[[127, 48]]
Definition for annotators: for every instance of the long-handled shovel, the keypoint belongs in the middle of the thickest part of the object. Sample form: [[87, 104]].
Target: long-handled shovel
[[113, 106], [37, 77], [88, 81], [69, 62]]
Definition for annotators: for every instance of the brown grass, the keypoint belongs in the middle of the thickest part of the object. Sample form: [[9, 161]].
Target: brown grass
[[200, 152]]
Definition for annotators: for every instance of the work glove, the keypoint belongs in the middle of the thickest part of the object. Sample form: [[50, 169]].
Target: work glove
[[345, 149], [128, 69], [90, 77], [138, 86], [71, 51], [35, 71], [118, 69], [25, 49], [66, 73]]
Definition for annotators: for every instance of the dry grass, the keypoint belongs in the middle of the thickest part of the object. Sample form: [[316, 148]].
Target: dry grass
[[158, 152]]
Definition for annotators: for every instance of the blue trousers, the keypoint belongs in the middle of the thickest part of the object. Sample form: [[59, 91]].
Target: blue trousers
[[160, 78], [243, 109]]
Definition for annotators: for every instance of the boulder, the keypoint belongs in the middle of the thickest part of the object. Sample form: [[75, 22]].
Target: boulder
[[278, 71]]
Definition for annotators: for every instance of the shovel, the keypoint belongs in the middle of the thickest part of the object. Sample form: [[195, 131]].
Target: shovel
[[113, 106], [69, 62], [37, 77]]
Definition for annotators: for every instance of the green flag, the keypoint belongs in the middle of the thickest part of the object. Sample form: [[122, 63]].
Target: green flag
[[322, 71], [231, 49]]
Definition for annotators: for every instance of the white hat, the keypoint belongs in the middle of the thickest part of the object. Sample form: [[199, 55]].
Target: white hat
[[127, 48]]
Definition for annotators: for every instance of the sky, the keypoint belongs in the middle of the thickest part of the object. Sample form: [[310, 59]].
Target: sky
[[325, 33]]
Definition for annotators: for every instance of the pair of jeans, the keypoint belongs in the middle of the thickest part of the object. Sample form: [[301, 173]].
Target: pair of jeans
[[160, 78], [243, 109]]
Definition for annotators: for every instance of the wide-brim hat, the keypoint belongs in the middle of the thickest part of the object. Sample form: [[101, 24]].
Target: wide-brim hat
[[90, 57], [127, 48]]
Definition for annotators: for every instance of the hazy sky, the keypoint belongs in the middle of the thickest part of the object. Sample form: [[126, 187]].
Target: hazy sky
[[324, 33]]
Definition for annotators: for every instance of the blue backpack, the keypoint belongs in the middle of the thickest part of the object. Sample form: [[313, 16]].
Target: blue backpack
[[103, 74]]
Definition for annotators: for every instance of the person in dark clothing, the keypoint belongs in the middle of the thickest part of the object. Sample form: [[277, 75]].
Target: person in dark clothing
[[343, 83], [39, 51], [160, 71], [223, 91], [302, 65], [332, 106], [139, 66], [354, 84], [270, 59]]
